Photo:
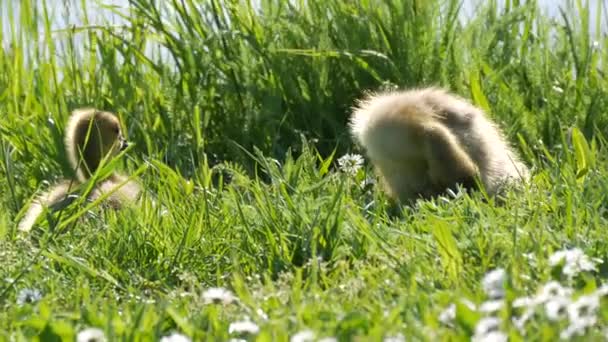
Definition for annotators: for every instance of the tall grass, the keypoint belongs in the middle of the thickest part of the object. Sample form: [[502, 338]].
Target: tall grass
[[237, 113]]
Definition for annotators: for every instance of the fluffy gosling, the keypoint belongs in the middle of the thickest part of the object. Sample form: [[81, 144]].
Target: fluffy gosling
[[425, 141], [91, 136]]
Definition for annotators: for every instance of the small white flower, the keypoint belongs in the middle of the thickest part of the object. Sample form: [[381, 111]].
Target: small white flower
[[396, 338], [491, 306], [350, 163], [303, 336], [218, 295], [91, 335], [243, 327], [595, 45], [583, 308], [493, 283], [28, 296], [552, 290], [558, 89], [486, 325], [578, 327], [574, 260], [556, 308], [448, 315], [493, 336], [175, 337]]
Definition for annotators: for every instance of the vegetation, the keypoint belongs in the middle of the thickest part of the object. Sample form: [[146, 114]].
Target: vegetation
[[237, 114]]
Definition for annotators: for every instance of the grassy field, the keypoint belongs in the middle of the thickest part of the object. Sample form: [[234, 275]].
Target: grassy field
[[237, 115]]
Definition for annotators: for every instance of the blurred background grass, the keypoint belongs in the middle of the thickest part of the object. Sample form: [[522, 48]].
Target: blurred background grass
[[193, 78]]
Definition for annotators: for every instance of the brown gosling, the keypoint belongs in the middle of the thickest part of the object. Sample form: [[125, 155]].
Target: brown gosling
[[423, 142], [91, 136]]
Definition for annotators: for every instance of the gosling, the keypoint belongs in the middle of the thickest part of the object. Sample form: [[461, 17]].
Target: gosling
[[91, 136], [423, 142]]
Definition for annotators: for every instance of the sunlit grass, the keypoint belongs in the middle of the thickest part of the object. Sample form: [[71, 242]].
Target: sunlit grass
[[259, 221]]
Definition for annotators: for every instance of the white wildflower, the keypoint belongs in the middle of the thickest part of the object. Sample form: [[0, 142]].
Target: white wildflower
[[574, 261], [350, 163], [28, 296], [175, 337], [595, 45], [91, 335], [218, 295], [578, 327], [552, 290], [486, 325], [303, 336], [243, 327], [491, 306], [583, 307], [558, 89], [448, 315], [556, 308], [493, 336], [493, 283]]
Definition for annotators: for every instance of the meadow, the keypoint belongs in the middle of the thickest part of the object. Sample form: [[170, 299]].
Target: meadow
[[237, 113]]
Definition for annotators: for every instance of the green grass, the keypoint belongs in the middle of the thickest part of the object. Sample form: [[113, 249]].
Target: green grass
[[237, 127]]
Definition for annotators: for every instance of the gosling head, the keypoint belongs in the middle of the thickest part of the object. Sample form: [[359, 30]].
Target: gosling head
[[91, 135]]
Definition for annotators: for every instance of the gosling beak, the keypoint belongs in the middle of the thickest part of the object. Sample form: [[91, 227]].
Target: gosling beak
[[123, 144]]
